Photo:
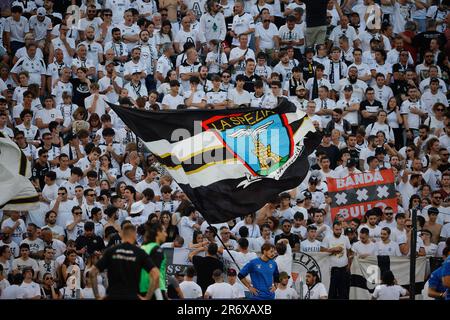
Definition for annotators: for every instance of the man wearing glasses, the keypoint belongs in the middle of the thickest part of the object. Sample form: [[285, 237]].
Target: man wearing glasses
[[388, 219], [75, 225], [62, 205], [90, 20]]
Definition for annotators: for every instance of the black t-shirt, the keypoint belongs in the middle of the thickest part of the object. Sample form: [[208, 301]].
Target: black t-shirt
[[124, 263], [38, 172], [332, 152], [292, 238], [308, 69], [80, 92], [205, 266], [371, 107], [250, 82], [399, 87], [93, 244], [316, 13]]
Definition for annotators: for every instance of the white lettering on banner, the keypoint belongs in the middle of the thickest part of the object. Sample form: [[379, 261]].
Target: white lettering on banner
[[358, 211], [357, 179]]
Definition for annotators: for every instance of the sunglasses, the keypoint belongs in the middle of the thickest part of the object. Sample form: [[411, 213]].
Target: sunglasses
[[440, 109], [61, 194], [389, 213], [408, 226], [108, 14], [49, 278], [225, 76], [77, 213]]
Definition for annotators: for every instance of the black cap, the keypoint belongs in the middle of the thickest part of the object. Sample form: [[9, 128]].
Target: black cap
[[348, 230], [348, 87], [351, 162], [327, 133], [89, 226]]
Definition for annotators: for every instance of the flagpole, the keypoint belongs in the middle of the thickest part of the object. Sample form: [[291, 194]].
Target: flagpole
[[412, 260], [225, 247]]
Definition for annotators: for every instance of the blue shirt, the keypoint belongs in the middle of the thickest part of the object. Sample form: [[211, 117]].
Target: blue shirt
[[262, 274], [445, 273], [435, 280]]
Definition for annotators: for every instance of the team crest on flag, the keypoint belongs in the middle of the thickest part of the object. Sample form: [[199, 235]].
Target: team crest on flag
[[261, 140]]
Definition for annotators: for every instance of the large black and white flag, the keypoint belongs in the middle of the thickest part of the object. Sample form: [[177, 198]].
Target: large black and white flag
[[366, 274], [228, 162], [16, 190]]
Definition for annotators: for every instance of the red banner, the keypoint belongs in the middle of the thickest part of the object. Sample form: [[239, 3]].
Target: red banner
[[352, 196]]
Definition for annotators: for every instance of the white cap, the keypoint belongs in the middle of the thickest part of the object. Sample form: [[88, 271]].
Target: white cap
[[41, 11], [137, 207]]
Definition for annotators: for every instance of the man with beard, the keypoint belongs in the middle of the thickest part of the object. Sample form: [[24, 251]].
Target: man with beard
[[338, 246], [359, 86], [350, 107], [149, 56], [264, 274], [111, 84], [436, 203], [119, 47], [364, 73], [205, 84], [134, 65], [94, 49], [300, 100]]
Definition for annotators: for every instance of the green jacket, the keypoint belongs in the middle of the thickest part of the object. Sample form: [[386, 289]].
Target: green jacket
[[144, 283]]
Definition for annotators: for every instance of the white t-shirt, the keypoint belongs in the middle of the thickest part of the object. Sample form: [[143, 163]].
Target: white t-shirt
[[221, 290], [384, 292], [11, 293], [339, 259], [360, 248], [18, 233], [239, 98], [172, 101], [374, 233], [186, 230], [314, 293], [266, 35], [286, 294], [308, 246], [388, 249], [191, 290]]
